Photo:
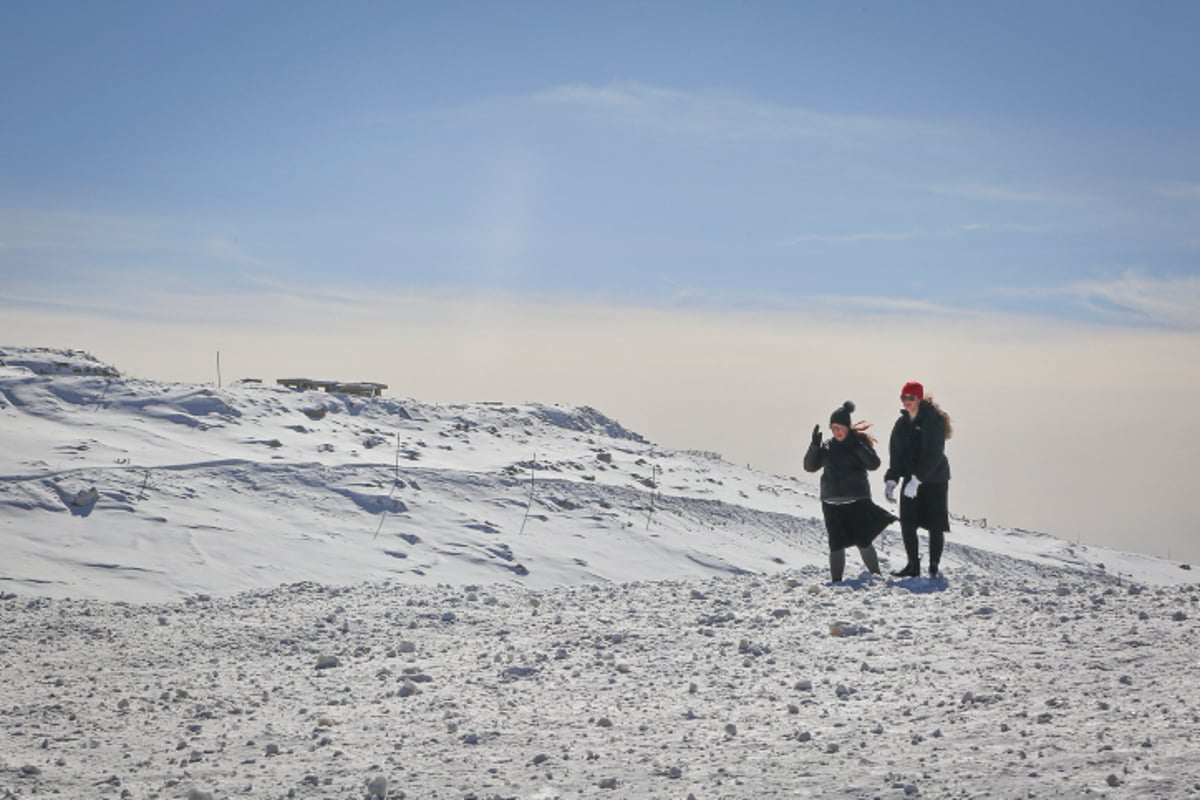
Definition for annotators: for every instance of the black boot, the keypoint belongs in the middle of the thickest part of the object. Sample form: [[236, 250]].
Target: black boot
[[937, 541], [913, 568]]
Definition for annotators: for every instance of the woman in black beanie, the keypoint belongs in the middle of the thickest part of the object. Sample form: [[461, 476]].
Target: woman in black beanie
[[851, 518]]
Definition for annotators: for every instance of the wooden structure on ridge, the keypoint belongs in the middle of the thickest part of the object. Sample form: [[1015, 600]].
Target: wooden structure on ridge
[[358, 388]]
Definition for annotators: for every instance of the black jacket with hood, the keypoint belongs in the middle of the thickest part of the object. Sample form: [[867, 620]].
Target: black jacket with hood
[[846, 464], [918, 447]]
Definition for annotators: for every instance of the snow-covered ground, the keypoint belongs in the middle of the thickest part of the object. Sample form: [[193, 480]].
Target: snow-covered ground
[[254, 592]]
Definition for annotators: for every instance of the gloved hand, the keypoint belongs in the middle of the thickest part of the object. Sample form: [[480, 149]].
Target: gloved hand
[[816, 437], [910, 488], [889, 491]]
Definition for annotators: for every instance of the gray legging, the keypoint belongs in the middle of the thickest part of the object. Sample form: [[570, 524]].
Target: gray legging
[[837, 561]]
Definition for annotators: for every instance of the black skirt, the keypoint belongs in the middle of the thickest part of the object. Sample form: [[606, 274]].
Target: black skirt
[[930, 509], [854, 524]]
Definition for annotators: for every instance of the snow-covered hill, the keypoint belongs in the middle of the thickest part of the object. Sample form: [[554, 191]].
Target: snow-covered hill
[[254, 592], [119, 487]]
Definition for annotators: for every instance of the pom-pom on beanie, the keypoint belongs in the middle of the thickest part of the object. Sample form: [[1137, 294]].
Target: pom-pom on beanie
[[914, 388], [841, 416]]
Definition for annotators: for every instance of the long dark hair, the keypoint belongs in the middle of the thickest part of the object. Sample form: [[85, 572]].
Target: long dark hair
[[945, 417]]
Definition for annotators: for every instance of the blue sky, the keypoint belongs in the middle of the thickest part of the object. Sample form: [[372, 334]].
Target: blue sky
[[1027, 157]]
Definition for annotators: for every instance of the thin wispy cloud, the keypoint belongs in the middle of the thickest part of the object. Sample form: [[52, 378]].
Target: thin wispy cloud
[[1182, 190], [857, 238], [1011, 194], [1138, 296], [1001, 227], [861, 237], [37, 230], [233, 252], [690, 297], [729, 117], [46, 256]]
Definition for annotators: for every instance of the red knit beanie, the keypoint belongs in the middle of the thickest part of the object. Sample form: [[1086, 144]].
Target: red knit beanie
[[914, 388]]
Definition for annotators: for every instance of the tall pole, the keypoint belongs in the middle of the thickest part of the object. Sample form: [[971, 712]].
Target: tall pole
[[532, 478]]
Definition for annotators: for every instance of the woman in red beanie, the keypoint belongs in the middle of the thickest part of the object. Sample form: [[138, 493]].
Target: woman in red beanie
[[918, 457], [850, 516]]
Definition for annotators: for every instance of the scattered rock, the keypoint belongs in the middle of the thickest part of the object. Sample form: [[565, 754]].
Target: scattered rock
[[514, 673], [847, 629], [377, 788]]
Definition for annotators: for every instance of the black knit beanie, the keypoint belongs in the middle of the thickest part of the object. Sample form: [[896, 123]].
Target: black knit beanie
[[842, 415]]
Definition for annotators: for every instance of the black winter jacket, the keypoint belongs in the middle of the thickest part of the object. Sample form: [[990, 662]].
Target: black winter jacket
[[846, 464], [918, 447]]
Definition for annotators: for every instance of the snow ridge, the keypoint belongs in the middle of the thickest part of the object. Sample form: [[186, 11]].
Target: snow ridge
[[259, 485]]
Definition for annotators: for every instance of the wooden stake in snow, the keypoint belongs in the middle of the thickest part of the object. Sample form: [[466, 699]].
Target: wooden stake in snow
[[395, 483], [529, 505], [654, 472]]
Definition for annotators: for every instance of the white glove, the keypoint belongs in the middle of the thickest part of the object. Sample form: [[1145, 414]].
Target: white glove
[[889, 491], [910, 488]]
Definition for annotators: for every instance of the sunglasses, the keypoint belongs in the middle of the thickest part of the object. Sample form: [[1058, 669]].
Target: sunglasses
[[907, 397]]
